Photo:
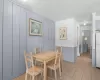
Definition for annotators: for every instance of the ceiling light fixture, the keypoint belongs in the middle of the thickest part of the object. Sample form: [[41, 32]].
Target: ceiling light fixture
[[84, 24]]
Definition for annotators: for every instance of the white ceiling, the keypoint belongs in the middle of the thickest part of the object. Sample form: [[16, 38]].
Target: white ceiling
[[62, 9]]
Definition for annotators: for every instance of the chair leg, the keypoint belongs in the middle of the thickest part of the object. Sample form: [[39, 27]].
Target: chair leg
[[51, 73], [61, 65], [41, 76], [35, 62], [32, 77], [26, 76], [55, 74], [36, 77], [60, 72]]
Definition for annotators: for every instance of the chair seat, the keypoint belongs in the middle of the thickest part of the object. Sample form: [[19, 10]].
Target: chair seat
[[52, 66], [34, 70]]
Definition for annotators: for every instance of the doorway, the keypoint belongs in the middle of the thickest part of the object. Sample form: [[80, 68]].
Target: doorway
[[84, 41]]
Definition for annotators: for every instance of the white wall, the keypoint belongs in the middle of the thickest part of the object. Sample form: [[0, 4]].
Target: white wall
[[69, 46], [71, 33]]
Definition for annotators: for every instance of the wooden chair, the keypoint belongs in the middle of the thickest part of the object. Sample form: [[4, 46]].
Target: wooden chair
[[37, 50], [59, 50], [31, 70], [55, 65]]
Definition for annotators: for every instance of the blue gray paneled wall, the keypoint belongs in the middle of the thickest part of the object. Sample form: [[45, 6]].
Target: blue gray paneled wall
[[14, 38], [1, 14], [69, 53]]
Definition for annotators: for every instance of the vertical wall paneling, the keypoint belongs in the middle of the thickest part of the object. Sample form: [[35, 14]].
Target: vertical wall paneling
[[22, 40], [53, 42], [14, 38], [53, 24], [50, 39], [16, 25], [29, 45], [7, 41], [1, 15], [33, 41], [53, 31], [49, 35], [46, 36], [26, 32]]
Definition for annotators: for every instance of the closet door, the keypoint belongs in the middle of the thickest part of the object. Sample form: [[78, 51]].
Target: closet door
[[23, 34], [7, 41], [16, 38], [1, 7]]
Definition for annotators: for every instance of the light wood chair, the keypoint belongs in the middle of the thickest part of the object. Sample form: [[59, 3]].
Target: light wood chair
[[59, 50], [37, 51], [56, 65], [31, 70]]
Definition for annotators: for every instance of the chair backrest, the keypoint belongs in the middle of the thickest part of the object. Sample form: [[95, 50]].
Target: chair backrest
[[28, 60], [57, 59], [37, 50], [59, 49]]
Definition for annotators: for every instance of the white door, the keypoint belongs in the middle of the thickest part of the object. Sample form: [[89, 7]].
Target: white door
[[97, 49], [97, 38], [97, 55], [78, 39]]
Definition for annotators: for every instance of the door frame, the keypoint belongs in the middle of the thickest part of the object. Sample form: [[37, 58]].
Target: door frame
[[78, 40]]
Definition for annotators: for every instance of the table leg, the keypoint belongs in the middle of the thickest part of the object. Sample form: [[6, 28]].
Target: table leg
[[45, 71]]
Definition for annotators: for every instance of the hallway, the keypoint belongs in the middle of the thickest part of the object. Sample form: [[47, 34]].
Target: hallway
[[81, 70]]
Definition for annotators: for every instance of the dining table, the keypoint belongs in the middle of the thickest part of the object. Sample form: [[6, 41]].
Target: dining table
[[45, 57]]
